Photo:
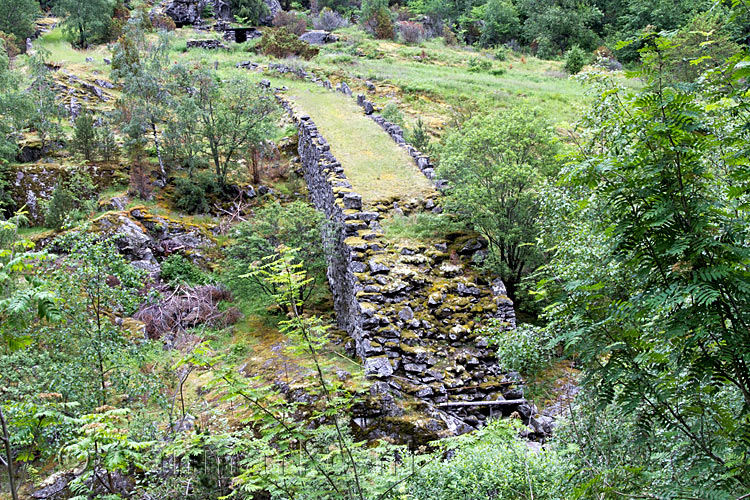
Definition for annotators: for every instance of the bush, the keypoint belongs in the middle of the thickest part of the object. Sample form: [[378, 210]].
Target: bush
[[177, 270], [501, 54], [526, 348], [393, 114], [84, 135], [191, 194], [574, 60], [281, 43], [546, 49], [294, 23], [329, 20], [501, 23], [490, 463], [251, 10], [477, 65], [411, 32]]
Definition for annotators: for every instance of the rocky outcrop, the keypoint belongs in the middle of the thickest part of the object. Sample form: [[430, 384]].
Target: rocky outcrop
[[413, 311], [273, 7], [206, 44], [185, 12]]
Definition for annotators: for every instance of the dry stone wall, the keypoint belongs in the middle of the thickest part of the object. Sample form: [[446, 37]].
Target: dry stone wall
[[413, 310]]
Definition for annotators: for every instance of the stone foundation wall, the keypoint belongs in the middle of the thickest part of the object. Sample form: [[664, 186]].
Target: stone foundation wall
[[414, 312]]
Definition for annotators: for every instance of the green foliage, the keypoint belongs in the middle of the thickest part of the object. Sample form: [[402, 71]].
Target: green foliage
[[275, 227], [71, 201], [15, 107], [17, 18], [526, 348], [191, 193], [479, 65], [86, 21], [393, 114], [648, 277], [251, 10], [501, 23], [281, 43], [84, 135], [48, 113], [495, 165], [556, 25], [489, 463], [575, 58], [370, 8], [419, 137], [177, 270]]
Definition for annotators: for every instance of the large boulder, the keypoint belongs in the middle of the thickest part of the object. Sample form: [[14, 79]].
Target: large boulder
[[185, 12], [318, 37]]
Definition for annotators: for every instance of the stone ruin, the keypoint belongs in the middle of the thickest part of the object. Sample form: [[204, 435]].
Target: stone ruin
[[414, 312]]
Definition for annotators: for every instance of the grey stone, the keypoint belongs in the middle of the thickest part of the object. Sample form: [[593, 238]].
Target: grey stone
[[465, 290], [318, 37], [406, 314], [352, 201], [378, 366], [378, 267]]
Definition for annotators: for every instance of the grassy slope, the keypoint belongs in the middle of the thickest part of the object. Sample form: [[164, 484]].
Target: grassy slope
[[377, 168]]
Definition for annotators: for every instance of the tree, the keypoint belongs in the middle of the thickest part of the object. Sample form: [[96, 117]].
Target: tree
[[235, 117], [17, 18], [141, 65], [86, 21], [182, 137], [556, 25], [47, 112], [274, 227], [84, 135], [14, 109], [648, 277], [494, 166]]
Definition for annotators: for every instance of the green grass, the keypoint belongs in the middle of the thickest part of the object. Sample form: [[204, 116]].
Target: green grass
[[376, 167]]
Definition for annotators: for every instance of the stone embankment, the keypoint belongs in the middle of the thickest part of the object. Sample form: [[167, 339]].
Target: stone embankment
[[413, 310]]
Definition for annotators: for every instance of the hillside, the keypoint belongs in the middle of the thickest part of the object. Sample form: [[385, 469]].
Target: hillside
[[414, 250]]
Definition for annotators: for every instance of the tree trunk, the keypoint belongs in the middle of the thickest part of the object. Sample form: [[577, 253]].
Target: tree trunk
[[162, 171], [8, 456]]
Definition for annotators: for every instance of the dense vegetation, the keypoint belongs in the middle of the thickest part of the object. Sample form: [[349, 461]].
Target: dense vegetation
[[622, 238]]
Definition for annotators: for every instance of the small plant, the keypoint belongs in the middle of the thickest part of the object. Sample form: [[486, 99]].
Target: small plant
[[574, 60], [380, 24], [163, 22], [393, 114], [177, 270], [281, 43], [419, 137], [497, 71], [501, 54], [71, 200], [449, 37]]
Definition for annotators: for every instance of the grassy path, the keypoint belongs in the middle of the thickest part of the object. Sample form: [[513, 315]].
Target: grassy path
[[377, 168]]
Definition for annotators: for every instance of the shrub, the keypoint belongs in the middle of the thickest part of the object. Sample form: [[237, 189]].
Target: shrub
[[177, 270], [526, 348], [191, 194], [411, 32], [329, 20], [281, 43], [393, 114], [546, 49], [251, 10], [501, 54], [490, 463], [501, 23], [294, 23], [574, 60], [477, 65]]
